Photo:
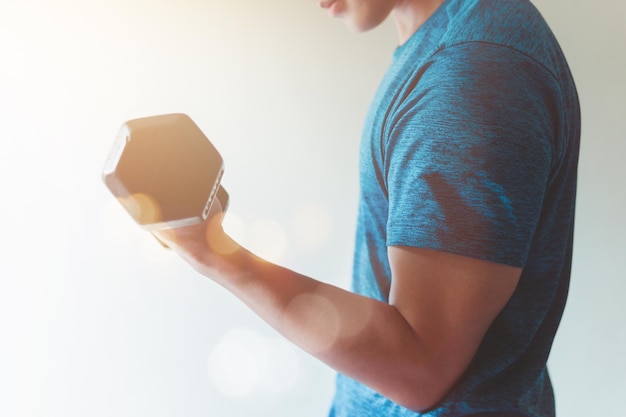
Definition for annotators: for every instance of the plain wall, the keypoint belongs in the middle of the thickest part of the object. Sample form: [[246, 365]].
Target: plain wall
[[97, 320]]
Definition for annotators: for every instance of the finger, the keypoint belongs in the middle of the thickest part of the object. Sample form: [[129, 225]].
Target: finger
[[216, 209], [161, 242], [165, 237]]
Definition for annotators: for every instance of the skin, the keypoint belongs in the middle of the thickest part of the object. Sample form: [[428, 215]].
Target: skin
[[412, 349], [363, 15]]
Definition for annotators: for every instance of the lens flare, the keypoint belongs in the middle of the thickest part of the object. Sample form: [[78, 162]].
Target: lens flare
[[142, 207], [268, 239], [245, 363], [217, 240], [311, 224], [234, 226], [284, 367], [320, 317], [237, 362], [356, 320]]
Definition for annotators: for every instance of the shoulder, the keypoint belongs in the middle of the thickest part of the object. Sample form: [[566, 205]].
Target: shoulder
[[516, 25], [478, 81]]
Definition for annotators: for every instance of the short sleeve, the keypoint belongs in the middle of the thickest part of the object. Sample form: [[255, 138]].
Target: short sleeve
[[468, 154]]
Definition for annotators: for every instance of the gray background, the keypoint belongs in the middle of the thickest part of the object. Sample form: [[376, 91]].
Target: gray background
[[98, 320]]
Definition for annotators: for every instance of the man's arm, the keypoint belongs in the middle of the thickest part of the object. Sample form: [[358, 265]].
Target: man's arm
[[412, 350]]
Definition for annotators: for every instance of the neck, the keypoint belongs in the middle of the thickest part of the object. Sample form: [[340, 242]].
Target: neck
[[410, 15]]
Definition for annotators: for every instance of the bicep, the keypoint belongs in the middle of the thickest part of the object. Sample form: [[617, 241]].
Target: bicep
[[449, 301]]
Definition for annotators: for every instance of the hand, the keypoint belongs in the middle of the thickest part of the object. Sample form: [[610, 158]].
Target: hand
[[205, 246]]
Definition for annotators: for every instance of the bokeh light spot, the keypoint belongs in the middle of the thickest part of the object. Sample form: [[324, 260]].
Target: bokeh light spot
[[356, 320], [268, 239], [320, 317], [217, 240], [311, 223], [237, 363], [234, 226], [142, 208], [284, 367], [245, 363]]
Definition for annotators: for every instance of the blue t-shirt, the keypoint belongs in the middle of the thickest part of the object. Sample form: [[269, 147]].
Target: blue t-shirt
[[471, 147]]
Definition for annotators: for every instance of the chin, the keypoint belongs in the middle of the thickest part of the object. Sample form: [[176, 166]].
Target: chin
[[361, 26]]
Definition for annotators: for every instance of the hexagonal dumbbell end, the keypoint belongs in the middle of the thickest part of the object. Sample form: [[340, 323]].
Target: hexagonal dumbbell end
[[164, 171]]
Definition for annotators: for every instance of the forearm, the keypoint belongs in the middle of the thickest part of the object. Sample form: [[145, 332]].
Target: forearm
[[365, 339]]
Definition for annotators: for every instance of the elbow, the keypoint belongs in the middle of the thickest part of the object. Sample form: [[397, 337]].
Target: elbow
[[424, 394], [418, 403]]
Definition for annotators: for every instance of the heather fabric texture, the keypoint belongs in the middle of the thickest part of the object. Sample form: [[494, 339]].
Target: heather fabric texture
[[471, 147]]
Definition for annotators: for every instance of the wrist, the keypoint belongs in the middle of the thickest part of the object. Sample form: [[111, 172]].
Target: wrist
[[225, 261]]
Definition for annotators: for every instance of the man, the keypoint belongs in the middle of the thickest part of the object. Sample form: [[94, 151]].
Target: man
[[465, 224]]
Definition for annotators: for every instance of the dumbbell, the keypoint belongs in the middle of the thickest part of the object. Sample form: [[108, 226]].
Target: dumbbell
[[165, 172]]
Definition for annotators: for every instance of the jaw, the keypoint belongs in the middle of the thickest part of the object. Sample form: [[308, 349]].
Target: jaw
[[364, 15]]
